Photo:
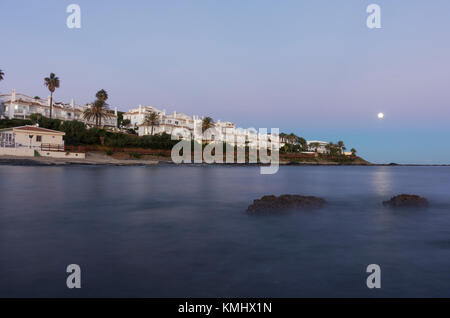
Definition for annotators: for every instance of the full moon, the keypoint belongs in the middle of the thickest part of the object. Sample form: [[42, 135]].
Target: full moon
[[380, 115]]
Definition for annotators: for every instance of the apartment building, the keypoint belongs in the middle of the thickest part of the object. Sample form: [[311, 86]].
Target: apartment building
[[17, 105]]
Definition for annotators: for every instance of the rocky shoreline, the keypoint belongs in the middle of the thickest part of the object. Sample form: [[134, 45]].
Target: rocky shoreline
[[96, 158]]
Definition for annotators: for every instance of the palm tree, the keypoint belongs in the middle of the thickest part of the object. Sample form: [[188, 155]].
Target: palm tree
[[102, 95], [52, 83], [302, 142], [353, 150], [341, 146], [2, 75], [292, 137], [151, 120], [329, 148], [97, 111], [207, 123]]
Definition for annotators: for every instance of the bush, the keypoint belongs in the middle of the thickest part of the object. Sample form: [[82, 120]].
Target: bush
[[7, 123]]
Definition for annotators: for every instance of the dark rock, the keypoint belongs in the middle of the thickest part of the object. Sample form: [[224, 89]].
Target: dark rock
[[406, 200], [271, 203]]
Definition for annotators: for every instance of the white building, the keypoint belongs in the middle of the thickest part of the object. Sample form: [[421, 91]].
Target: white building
[[32, 141], [16, 105], [176, 122], [317, 146]]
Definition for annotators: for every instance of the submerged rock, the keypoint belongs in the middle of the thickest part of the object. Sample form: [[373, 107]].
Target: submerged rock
[[271, 203], [406, 200]]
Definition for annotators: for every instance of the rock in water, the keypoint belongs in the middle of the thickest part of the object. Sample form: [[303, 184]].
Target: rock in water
[[271, 203], [406, 200]]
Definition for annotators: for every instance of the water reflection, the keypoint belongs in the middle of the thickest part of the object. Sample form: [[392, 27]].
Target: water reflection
[[170, 231], [382, 181]]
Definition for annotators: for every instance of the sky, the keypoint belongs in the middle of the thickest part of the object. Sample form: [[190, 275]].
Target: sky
[[313, 68]]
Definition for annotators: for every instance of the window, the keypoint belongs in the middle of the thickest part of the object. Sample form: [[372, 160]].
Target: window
[[39, 138]]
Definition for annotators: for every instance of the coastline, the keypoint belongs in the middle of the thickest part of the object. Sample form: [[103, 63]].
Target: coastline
[[99, 159]]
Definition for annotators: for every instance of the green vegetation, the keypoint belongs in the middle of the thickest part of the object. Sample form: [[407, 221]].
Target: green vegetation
[[52, 83], [296, 144], [36, 153], [7, 123], [126, 123], [78, 134], [99, 109], [2, 75], [293, 143]]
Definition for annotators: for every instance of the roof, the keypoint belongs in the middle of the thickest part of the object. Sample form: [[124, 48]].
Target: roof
[[317, 142], [36, 129]]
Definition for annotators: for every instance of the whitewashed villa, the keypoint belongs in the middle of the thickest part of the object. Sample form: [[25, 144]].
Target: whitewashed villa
[[17, 105], [170, 122]]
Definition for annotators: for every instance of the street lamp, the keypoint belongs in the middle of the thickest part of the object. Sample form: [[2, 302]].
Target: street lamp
[[31, 137]]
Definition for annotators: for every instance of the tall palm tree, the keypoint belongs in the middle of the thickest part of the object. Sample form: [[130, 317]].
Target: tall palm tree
[[101, 105], [353, 150], [2, 75], [102, 95], [52, 83], [152, 120]]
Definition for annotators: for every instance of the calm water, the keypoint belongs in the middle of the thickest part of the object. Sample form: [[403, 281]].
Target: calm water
[[171, 231]]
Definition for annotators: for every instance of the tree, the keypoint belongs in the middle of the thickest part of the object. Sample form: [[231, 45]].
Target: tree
[[353, 150], [151, 120], [292, 138], [97, 111], [102, 95], [207, 123], [329, 147], [2, 75], [283, 137], [303, 143], [52, 83], [341, 146], [126, 122]]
